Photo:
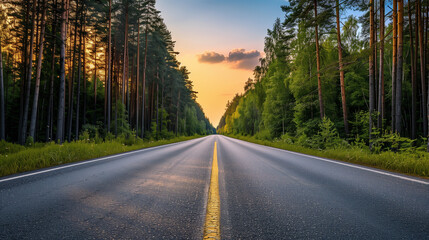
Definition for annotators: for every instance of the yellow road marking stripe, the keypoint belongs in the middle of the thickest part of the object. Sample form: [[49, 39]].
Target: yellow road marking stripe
[[212, 224]]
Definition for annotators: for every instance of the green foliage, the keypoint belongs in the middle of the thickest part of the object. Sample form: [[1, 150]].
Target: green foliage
[[328, 136], [109, 137], [128, 139], [9, 148], [191, 121], [164, 133], [282, 99], [287, 138], [91, 130], [84, 136], [29, 142], [250, 116], [226, 122], [168, 85], [393, 142], [360, 125], [278, 107], [123, 126], [263, 135]]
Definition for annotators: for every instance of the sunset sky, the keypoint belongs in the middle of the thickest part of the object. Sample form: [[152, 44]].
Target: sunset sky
[[220, 42]]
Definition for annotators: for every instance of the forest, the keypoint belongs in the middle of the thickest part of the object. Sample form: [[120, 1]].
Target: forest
[[332, 79], [98, 69]]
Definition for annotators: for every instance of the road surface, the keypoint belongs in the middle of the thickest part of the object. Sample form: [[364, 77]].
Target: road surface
[[162, 193]]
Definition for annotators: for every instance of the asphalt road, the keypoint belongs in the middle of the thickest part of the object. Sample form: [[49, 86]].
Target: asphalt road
[[265, 193], [158, 193]]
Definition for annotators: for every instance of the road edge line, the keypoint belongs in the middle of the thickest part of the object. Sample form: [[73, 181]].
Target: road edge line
[[83, 162], [347, 164]]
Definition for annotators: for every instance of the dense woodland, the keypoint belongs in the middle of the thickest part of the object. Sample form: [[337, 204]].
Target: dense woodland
[[328, 71], [104, 67]]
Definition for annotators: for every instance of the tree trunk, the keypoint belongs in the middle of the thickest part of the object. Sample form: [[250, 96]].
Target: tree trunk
[[371, 70], [29, 74], [177, 114], [152, 103], [413, 77], [79, 72], [375, 58], [381, 94], [24, 72], [2, 105], [38, 73], [51, 88], [340, 61], [157, 109], [138, 77], [124, 73], [72, 79], [51, 95], [144, 81], [117, 88], [394, 61], [422, 66], [106, 74], [399, 67], [84, 70], [162, 104], [319, 82], [132, 93], [95, 79], [61, 104], [425, 48], [109, 67]]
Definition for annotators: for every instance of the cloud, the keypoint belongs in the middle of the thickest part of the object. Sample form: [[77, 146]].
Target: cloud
[[211, 57], [238, 55], [237, 58], [247, 64], [240, 59]]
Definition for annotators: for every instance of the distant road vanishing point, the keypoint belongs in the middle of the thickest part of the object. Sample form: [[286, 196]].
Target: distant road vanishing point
[[215, 187]]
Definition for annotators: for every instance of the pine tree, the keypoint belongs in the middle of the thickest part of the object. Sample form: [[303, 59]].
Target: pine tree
[[61, 99], [38, 73], [381, 90], [340, 61], [398, 108]]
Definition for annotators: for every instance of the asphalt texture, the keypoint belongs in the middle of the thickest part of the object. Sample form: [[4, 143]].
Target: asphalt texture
[[268, 193], [265, 193], [157, 193]]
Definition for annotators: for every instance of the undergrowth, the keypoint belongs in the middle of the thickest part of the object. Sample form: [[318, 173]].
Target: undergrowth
[[411, 161], [15, 158]]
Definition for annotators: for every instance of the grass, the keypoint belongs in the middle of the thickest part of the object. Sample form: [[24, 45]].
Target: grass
[[411, 163], [16, 158]]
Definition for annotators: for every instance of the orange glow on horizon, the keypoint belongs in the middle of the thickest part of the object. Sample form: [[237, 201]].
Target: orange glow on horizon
[[216, 84]]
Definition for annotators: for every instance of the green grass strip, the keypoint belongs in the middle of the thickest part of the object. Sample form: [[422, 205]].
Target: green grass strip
[[416, 164], [17, 159]]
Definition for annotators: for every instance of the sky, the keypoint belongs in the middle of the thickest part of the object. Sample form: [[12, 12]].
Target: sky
[[220, 42]]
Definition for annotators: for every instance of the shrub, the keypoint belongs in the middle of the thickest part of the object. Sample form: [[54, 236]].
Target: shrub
[[29, 142], [84, 137], [109, 137], [287, 138], [393, 142], [9, 148], [328, 136], [263, 135], [92, 130]]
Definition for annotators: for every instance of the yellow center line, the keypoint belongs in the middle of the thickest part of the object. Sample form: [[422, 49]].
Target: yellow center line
[[212, 224]]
